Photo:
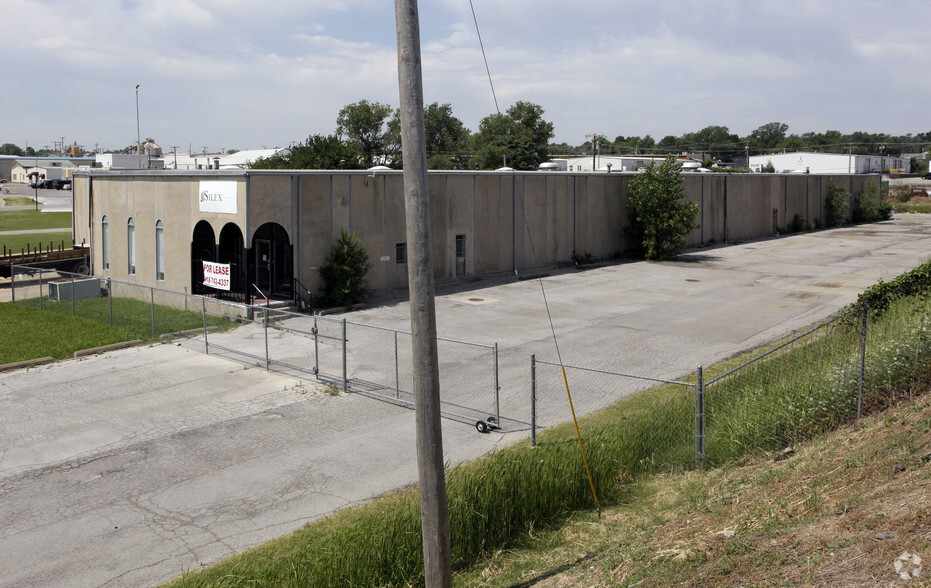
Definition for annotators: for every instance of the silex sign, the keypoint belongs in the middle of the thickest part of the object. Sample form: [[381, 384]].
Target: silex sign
[[217, 196], [217, 275]]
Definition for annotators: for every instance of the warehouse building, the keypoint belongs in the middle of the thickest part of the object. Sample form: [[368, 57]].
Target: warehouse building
[[829, 163], [235, 234]]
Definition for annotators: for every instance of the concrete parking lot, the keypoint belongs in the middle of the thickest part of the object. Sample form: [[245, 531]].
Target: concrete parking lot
[[126, 469]]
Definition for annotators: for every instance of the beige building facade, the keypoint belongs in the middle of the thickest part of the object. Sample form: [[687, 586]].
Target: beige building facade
[[273, 230]]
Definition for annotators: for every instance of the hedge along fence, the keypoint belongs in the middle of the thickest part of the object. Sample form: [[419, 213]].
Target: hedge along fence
[[496, 501]]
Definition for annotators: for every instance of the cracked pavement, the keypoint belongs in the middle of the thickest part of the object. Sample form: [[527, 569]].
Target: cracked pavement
[[128, 468]]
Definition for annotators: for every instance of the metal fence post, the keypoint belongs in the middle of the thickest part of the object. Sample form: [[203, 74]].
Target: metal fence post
[[316, 348], [152, 306], [203, 305], [497, 389], [40, 291], [265, 326], [345, 379], [533, 400], [862, 362], [700, 419], [110, 299], [397, 371], [72, 294], [13, 283]]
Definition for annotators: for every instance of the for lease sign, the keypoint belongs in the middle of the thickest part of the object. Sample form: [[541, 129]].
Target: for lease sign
[[216, 196], [217, 275]]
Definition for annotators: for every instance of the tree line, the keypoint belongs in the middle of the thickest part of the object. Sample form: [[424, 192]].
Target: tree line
[[368, 133]]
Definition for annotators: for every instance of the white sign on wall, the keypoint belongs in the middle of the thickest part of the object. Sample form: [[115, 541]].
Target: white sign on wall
[[217, 196], [217, 275]]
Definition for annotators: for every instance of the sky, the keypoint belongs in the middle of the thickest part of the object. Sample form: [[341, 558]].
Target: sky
[[242, 74]]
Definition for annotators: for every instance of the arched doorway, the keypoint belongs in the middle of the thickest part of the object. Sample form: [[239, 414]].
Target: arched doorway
[[203, 248], [231, 250], [272, 261]]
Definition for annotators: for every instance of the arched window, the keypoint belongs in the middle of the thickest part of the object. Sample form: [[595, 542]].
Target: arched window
[[105, 241], [159, 250], [131, 246]]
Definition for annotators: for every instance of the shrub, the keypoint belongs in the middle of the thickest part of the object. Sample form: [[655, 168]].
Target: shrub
[[660, 217], [836, 205], [769, 168], [344, 272], [868, 208]]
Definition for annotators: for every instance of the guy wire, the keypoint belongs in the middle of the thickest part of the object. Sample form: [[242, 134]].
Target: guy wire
[[546, 305], [565, 379]]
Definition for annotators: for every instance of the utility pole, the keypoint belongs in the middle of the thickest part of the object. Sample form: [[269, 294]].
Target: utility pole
[[594, 137], [429, 436]]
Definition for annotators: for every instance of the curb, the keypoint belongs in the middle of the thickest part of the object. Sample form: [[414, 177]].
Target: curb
[[111, 347], [26, 364], [187, 333]]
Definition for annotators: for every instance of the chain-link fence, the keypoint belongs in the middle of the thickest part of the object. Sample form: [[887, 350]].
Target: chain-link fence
[[832, 373], [354, 357], [664, 419]]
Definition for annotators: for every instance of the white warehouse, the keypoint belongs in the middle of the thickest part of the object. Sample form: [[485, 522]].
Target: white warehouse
[[828, 163]]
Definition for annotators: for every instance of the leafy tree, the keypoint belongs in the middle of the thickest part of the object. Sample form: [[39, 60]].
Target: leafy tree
[[10, 149], [518, 138], [715, 141], [344, 272], [446, 137], [365, 126], [868, 208], [660, 217], [770, 135], [317, 152], [670, 143]]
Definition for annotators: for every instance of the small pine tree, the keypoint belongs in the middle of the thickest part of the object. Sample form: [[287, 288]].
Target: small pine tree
[[769, 168], [660, 216], [344, 272]]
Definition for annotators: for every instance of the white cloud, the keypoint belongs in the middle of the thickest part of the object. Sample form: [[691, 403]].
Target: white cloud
[[246, 74]]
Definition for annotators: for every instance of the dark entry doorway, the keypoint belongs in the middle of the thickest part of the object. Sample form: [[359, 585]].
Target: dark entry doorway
[[231, 250], [203, 248], [272, 258]]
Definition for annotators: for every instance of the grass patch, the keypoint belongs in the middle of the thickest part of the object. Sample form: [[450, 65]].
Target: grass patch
[[22, 220], [133, 317], [18, 243], [19, 201], [917, 207], [29, 333]]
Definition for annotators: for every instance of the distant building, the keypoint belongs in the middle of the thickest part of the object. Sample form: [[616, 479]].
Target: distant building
[[126, 161], [616, 163], [26, 169], [238, 160], [828, 163]]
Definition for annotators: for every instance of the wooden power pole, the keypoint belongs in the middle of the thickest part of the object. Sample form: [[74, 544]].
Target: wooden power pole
[[433, 508]]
